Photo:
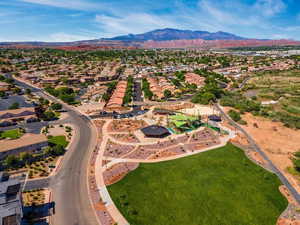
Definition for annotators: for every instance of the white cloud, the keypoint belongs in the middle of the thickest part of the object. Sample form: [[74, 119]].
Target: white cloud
[[111, 18], [215, 12], [64, 37], [68, 4], [132, 23], [279, 36], [270, 7]]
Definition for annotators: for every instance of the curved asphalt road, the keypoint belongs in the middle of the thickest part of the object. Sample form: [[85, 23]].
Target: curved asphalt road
[[69, 186]]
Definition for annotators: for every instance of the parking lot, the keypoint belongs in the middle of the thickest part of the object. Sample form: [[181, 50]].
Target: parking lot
[[6, 103]]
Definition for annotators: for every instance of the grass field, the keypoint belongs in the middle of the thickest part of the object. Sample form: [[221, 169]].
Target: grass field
[[12, 134], [59, 140], [219, 187]]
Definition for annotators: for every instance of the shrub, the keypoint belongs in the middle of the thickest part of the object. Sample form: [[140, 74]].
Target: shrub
[[234, 115], [14, 105]]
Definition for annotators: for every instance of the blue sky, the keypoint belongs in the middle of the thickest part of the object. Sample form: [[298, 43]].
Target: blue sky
[[69, 20]]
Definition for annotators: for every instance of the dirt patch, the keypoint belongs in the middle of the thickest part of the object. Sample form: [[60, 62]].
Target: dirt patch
[[256, 157], [117, 172], [177, 107], [117, 150], [163, 154], [276, 140], [287, 194], [128, 138], [126, 125], [240, 139], [283, 221]]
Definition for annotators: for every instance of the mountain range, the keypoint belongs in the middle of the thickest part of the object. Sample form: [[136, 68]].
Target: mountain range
[[160, 38], [169, 34]]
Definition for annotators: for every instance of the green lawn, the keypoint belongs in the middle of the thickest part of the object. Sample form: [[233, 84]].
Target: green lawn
[[219, 187], [12, 134], [59, 140]]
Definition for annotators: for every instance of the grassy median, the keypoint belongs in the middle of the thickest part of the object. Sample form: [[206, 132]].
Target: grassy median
[[219, 187]]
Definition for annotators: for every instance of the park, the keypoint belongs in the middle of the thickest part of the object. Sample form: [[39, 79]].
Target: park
[[216, 187]]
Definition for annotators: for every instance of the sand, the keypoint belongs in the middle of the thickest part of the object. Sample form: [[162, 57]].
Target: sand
[[277, 141], [199, 110]]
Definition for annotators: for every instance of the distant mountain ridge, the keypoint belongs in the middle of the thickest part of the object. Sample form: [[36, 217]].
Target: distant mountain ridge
[[169, 34], [160, 38]]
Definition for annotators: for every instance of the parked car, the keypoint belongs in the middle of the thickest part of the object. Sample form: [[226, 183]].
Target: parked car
[[7, 124], [32, 120]]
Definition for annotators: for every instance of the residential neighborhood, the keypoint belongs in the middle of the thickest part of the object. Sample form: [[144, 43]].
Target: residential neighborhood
[[149, 112]]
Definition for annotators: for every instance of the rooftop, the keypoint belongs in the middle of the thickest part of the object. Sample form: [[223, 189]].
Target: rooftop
[[25, 140], [155, 131], [16, 112]]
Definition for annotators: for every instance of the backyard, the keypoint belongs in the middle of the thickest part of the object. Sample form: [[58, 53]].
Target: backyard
[[212, 188], [11, 134]]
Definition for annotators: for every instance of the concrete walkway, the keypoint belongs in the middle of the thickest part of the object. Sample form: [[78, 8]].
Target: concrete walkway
[[111, 208], [99, 169]]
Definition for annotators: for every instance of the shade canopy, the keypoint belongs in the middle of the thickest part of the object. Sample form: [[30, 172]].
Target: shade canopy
[[155, 131]]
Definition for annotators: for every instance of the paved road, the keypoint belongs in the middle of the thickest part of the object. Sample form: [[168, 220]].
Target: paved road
[[69, 186], [273, 168]]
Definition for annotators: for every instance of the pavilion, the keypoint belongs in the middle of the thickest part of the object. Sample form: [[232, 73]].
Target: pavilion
[[155, 131]]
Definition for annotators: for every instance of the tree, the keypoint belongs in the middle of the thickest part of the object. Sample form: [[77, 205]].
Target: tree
[[11, 161], [297, 164], [56, 106], [17, 90], [55, 150], [58, 150], [67, 98], [203, 98], [49, 115], [25, 157], [9, 80], [14, 105], [180, 75], [234, 115], [28, 91], [192, 86], [2, 94], [167, 93], [105, 97]]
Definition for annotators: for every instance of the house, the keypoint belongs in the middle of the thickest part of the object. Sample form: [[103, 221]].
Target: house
[[159, 84], [86, 79], [17, 114], [10, 200], [28, 143], [116, 100], [31, 77], [4, 86], [193, 78], [49, 80], [106, 77], [73, 80]]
